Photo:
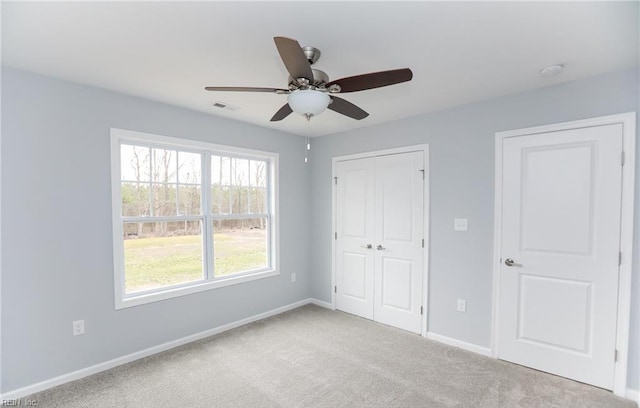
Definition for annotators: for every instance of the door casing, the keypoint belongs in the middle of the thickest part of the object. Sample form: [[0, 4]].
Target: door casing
[[628, 121], [424, 148]]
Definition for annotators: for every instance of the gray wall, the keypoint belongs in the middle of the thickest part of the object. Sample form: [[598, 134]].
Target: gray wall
[[56, 229], [461, 143]]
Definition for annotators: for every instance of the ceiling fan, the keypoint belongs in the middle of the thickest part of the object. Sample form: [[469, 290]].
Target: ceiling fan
[[310, 92]]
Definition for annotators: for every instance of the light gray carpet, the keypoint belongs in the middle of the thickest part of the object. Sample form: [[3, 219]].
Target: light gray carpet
[[313, 357]]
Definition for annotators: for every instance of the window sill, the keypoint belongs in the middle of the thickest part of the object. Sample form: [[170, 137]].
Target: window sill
[[200, 286]]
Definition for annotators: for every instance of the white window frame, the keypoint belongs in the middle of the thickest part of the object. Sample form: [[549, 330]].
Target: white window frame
[[209, 281]]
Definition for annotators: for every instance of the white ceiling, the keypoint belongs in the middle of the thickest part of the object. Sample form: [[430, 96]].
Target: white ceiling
[[459, 52]]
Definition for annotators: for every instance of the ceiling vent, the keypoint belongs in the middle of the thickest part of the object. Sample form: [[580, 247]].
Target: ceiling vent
[[224, 105]]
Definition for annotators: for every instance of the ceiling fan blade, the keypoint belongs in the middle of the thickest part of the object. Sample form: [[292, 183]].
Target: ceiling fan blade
[[293, 58], [246, 89], [372, 80], [346, 108], [282, 113]]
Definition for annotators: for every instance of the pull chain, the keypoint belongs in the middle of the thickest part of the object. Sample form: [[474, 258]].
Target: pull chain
[[307, 140]]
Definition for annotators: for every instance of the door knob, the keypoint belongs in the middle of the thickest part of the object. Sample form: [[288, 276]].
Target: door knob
[[510, 262], [368, 246], [380, 248]]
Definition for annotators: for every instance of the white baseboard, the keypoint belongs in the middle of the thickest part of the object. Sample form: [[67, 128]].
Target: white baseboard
[[633, 395], [76, 375], [322, 303], [485, 351]]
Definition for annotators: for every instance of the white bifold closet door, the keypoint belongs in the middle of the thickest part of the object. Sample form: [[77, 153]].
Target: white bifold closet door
[[379, 247]]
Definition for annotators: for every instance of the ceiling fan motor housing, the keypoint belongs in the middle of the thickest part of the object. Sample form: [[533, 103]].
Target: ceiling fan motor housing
[[319, 79]]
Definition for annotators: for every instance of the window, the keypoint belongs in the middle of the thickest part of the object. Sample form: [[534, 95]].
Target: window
[[189, 216]]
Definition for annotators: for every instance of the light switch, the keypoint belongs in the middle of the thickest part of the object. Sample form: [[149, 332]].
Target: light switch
[[460, 224]]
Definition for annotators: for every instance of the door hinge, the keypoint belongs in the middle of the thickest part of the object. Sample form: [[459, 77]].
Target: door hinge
[[335, 235], [335, 181], [421, 310], [615, 356], [619, 258], [423, 242], [622, 159], [422, 173], [335, 289]]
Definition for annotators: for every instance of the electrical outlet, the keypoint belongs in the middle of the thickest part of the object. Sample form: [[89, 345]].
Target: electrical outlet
[[462, 305], [293, 277], [78, 327], [460, 224]]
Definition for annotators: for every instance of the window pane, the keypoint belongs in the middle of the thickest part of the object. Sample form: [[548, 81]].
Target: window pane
[[225, 171], [163, 199], [239, 200], [258, 200], [238, 186], [159, 254], [220, 199], [216, 176], [163, 165], [239, 245], [189, 169], [240, 172], [135, 199], [189, 200], [134, 163], [258, 173]]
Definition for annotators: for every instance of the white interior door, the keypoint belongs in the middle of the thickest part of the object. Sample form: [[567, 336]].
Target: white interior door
[[398, 240], [355, 223], [379, 253], [560, 252]]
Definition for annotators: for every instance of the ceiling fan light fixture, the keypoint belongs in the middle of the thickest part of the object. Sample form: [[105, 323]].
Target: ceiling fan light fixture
[[308, 102]]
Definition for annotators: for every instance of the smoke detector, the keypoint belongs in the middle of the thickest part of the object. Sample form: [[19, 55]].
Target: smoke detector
[[551, 70]]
